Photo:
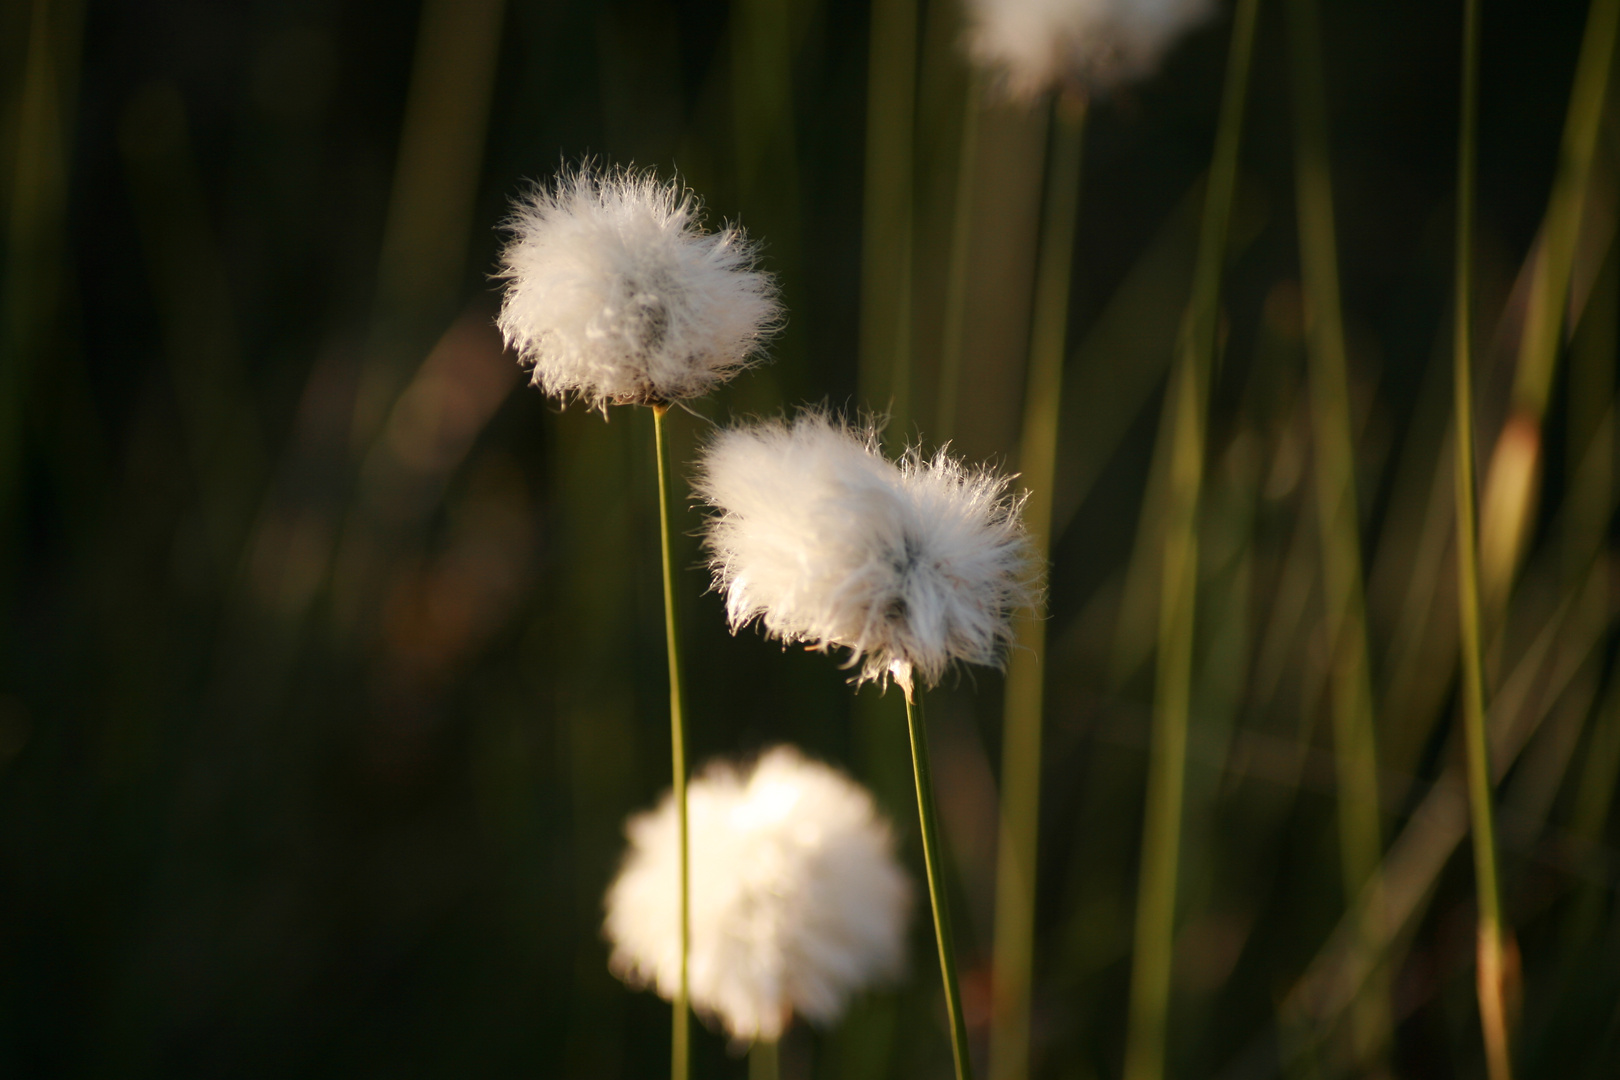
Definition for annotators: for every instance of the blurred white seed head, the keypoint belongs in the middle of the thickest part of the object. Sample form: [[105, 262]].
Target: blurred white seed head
[[911, 566], [797, 899], [616, 295], [1083, 45]]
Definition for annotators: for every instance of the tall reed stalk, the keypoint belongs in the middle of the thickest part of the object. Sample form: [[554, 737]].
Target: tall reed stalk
[[1026, 668], [1167, 759], [952, 344], [1507, 508], [1491, 974], [934, 866], [886, 232], [680, 1037], [1355, 742]]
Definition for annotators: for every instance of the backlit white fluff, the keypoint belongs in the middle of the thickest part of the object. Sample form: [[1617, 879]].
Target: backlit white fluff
[[616, 295], [1087, 45], [910, 566], [797, 899]]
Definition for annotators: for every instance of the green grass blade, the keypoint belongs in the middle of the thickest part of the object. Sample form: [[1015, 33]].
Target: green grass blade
[[1354, 738], [1491, 973], [1161, 840], [1026, 669]]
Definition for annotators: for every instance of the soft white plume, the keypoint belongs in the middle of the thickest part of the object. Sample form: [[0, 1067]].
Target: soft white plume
[[911, 565], [797, 900], [615, 294], [1037, 45]]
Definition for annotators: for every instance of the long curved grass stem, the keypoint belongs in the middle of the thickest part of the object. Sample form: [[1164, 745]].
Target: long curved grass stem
[[932, 863], [1490, 974], [680, 1037]]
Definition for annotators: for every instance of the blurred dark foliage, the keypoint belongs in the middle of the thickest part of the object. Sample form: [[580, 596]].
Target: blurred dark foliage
[[331, 659]]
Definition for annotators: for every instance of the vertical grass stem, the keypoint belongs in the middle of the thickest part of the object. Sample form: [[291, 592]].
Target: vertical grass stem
[[764, 1060], [956, 282], [1491, 971], [1026, 669], [1354, 737], [887, 228], [934, 867], [1167, 761], [680, 1037]]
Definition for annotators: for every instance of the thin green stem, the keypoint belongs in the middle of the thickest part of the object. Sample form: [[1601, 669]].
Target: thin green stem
[[1354, 737], [956, 282], [764, 1060], [1490, 972], [680, 1037], [934, 866], [1021, 731], [1167, 762]]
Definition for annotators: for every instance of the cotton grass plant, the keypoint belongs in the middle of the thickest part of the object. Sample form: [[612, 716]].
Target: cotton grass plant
[[910, 567], [616, 295], [1035, 46], [797, 903]]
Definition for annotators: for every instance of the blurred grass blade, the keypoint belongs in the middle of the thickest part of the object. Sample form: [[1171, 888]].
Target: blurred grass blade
[[421, 262], [1026, 666], [430, 205], [1161, 838], [1414, 862], [1113, 375], [1508, 503], [956, 281], [1594, 801], [1491, 973], [886, 227], [188, 280], [766, 40], [1354, 740], [32, 270]]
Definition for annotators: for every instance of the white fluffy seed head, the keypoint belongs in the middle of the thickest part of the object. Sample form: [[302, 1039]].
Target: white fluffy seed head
[[1084, 45], [911, 566], [797, 899], [616, 295]]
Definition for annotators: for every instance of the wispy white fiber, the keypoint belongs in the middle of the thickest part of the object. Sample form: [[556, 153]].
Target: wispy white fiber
[[797, 900], [911, 566], [1037, 45], [616, 295]]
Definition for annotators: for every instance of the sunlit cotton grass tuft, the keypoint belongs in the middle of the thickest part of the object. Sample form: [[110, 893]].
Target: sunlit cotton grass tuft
[[911, 566], [1080, 45], [798, 901], [616, 295]]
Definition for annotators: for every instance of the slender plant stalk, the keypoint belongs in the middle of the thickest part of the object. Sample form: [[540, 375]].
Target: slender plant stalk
[[680, 1038], [1026, 669], [1354, 737], [1508, 510], [886, 269], [764, 1060], [936, 886], [1490, 972], [952, 344], [1167, 761]]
